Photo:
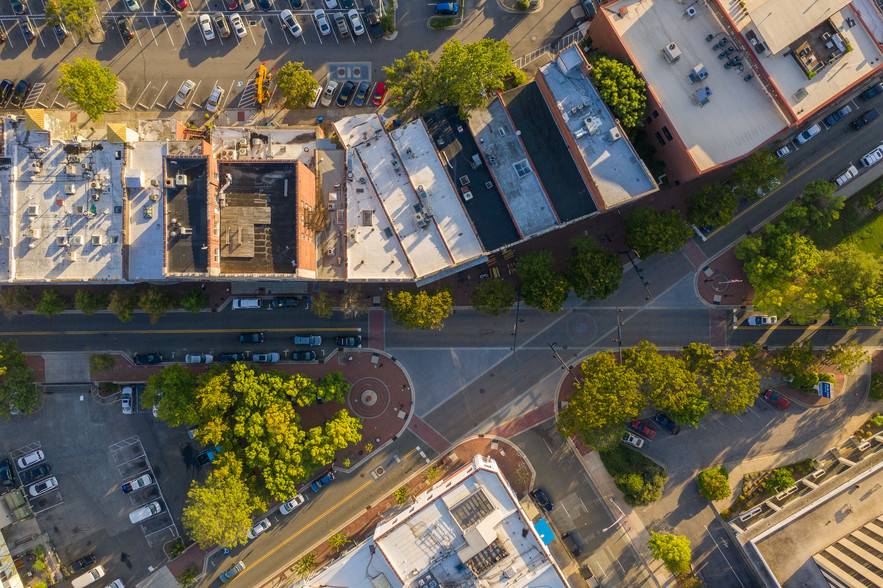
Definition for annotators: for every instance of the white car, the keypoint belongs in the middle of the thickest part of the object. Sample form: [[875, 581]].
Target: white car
[[265, 357], [145, 512], [331, 3], [353, 15], [116, 584], [632, 440], [205, 25], [259, 528], [132, 5], [762, 320], [322, 20], [126, 401], [32, 458], [43, 486], [198, 358], [808, 134], [215, 99], [292, 504], [238, 26], [184, 92], [140, 482], [783, 151], [290, 22], [328, 96], [247, 5]]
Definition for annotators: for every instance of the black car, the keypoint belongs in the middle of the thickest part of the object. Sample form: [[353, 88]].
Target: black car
[[147, 358], [346, 93], [296, 4], [231, 357], [667, 424], [6, 481], [542, 499], [27, 29], [166, 5], [282, 302], [303, 356], [265, 4], [347, 4], [61, 31], [348, 341], [374, 26], [21, 92], [83, 563], [571, 545], [251, 338], [588, 9], [34, 474], [872, 91], [6, 88], [19, 6], [125, 27], [362, 94]]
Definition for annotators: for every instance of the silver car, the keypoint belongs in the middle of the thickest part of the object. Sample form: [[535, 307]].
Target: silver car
[[184, 92]]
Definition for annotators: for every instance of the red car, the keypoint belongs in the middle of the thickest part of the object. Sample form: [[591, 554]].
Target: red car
[[232, 4], [181, 4], [379, 94], [644, 429], [777, 399]]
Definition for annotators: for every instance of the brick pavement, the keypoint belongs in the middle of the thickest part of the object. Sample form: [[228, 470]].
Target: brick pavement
[[716, 281]]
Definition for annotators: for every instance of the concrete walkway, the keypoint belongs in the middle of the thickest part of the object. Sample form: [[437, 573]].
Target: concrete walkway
[[66, 368]]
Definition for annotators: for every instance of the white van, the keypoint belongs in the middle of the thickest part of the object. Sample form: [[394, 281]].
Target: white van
[[847, 175], [136, 516], [872, 157], [246, 303], [88, 578]]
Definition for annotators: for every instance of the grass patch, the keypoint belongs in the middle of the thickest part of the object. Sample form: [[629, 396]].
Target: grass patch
[[441, 22], [856, 224], [640, 479]]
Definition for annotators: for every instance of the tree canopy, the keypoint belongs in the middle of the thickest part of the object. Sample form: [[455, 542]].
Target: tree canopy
[[712, 205], [542, 286], [758, 174], [17, 390], [650, 231], [667, 383], [493, 296], [421, 309], [92, 87], [296, 84], [592, 271], [714, 484], [621, 88], [672, 550], [78, 15], [52, 302]]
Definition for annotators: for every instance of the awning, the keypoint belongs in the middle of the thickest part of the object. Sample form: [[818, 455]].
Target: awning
[[544, 531]]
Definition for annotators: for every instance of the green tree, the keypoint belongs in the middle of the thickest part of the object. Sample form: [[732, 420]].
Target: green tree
[[650, 231], [848, 283], [296, 84], [594, 272], [697, 357], [157, 301], [796, 361], [823, 208], [542, 286], [17, 390], [89, 85], [195, 300], [51, 303], [672, 550], [411, 82], [102, 362], [90, 301], [219, 511], [352, 302], [421, 309], [493, 296], [666, 381], [401, 495], [16, 300], [731, 385], [323, 304], [757, 174], [714, 484], [337, 541], [846, 357], [712, 205], [621, 88], [607, 396], [305, 565], [467, 73], [78, 15], [123, 302], [174, 391], [779, 480]]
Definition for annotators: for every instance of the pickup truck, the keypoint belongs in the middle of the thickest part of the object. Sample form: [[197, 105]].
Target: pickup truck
[[137, 483], [82, 563], [207, 456]]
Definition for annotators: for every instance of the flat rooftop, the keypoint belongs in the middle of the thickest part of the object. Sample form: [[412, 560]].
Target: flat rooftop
[[805, 95], [613, 163], [487, 209], [264, 143], [513, 171], [781, 22], [65, 214], [738, 117], [258, 217], [186, 218]]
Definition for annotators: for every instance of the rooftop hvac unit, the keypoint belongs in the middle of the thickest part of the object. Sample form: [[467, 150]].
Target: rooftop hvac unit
[[62, 241], [154, 182], [170, 183], [70, 189], [615, 135], [71, 170], [420, 219], [33, 210], [256, 142], [672, 52], [34, 233], [79, 209], [243, 151], [96, 240], [180, 180], [690, 12], [73, 159], [243, 142], [36, 166], [95, 184], [154, 196], [581, 133], [592, 124], [71, 255], [77, 240]]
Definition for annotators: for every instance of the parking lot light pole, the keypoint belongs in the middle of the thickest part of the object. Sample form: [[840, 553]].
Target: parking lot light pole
[[616, 522], [563, 364]]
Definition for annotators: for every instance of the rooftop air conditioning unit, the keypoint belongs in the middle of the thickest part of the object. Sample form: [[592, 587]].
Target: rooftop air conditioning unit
[[154, 182], [581, 133], [690, 12], [243, 142], [79, 209], [243, 151], [71, 255], [672, 52], [73, 159], [256, 142], [96, 240], [70, 189], [95, 184], [77, 240], [62, 241], [36, 166], [33, 210], [154, 196], [34, 233], [615, 135], [170, 183], [180, 180], [71, 170]]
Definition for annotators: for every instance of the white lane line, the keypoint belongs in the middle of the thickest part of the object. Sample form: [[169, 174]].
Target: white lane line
[[316, 26], [158, 94], [169, 33], [251, 34], [724, 556], [155, 42], [561, 504], [6, 34], [140, 96], [227, 96], [193, 94]]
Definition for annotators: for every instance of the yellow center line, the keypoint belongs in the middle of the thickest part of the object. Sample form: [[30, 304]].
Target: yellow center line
[[319, 518], [174, 331]]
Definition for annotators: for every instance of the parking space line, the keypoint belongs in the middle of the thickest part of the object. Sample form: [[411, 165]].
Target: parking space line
[[158, 94], [251, 34], [6, 33], [151, 31], [193, 94], [34, 95], [146, 535], [316, 27], [171, 38], [227, 96]]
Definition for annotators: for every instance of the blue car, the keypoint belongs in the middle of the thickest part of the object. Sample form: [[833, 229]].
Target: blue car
[[447, 8], [322, 482], [872, 91]]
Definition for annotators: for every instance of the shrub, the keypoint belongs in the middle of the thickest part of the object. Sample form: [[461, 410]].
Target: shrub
[[867, 202], [388, 22], [51, 303], [102, 362], [713, 484], [90, 301], [523, 5], [877, 420], [630, 483], [401, 495], [519, 78], [195, 300], [16, 300], [877, 385], [780, 479], [441, 22], [627, 467]]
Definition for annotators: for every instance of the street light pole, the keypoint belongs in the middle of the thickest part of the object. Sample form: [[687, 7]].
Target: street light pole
[[616, 522], [563, 364]]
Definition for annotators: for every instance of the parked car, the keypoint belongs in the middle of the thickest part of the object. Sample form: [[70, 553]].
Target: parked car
[[208, 456], [632, 440], [88, 578], [833, 118], [20, 94], [348, 340], [198, 358], [205, 25], [166, 5], [290, 22], [147, 358], [846, 175], [323, 481], [214, 99], [127, 399], [762, 320], [232, 572], [82, 563], [238, 26], [27, 28], [542, 499], [317, 93], [292, 504], [808, 134], [231, 357], [322, 21], [259, 528], [221, 24], [231, 4], [303, 356], [34, 474], [116, 584], [246, 303], [6, 88], [145, 512], [588, 9], [311, 340], [19, 6], [328, 95], [642, 428], [379, 94], [872, 91], [251, 338], [346, 93], [283, 302], [136, 484], [362, 94], [184, 92], [355, 22], [30, 459], [331, 4], [247, 5], [667, 424], [865, 119], [6, 481], [340, 23], [61, 31], [783, 151], [2, 36], [374, 25], [447, 8], [132, 5], [266, 4], [568, 541], [776, 399], [43, 486], [265, 357]]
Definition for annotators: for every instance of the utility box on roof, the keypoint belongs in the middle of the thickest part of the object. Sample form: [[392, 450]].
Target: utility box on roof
[[672, 52]]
